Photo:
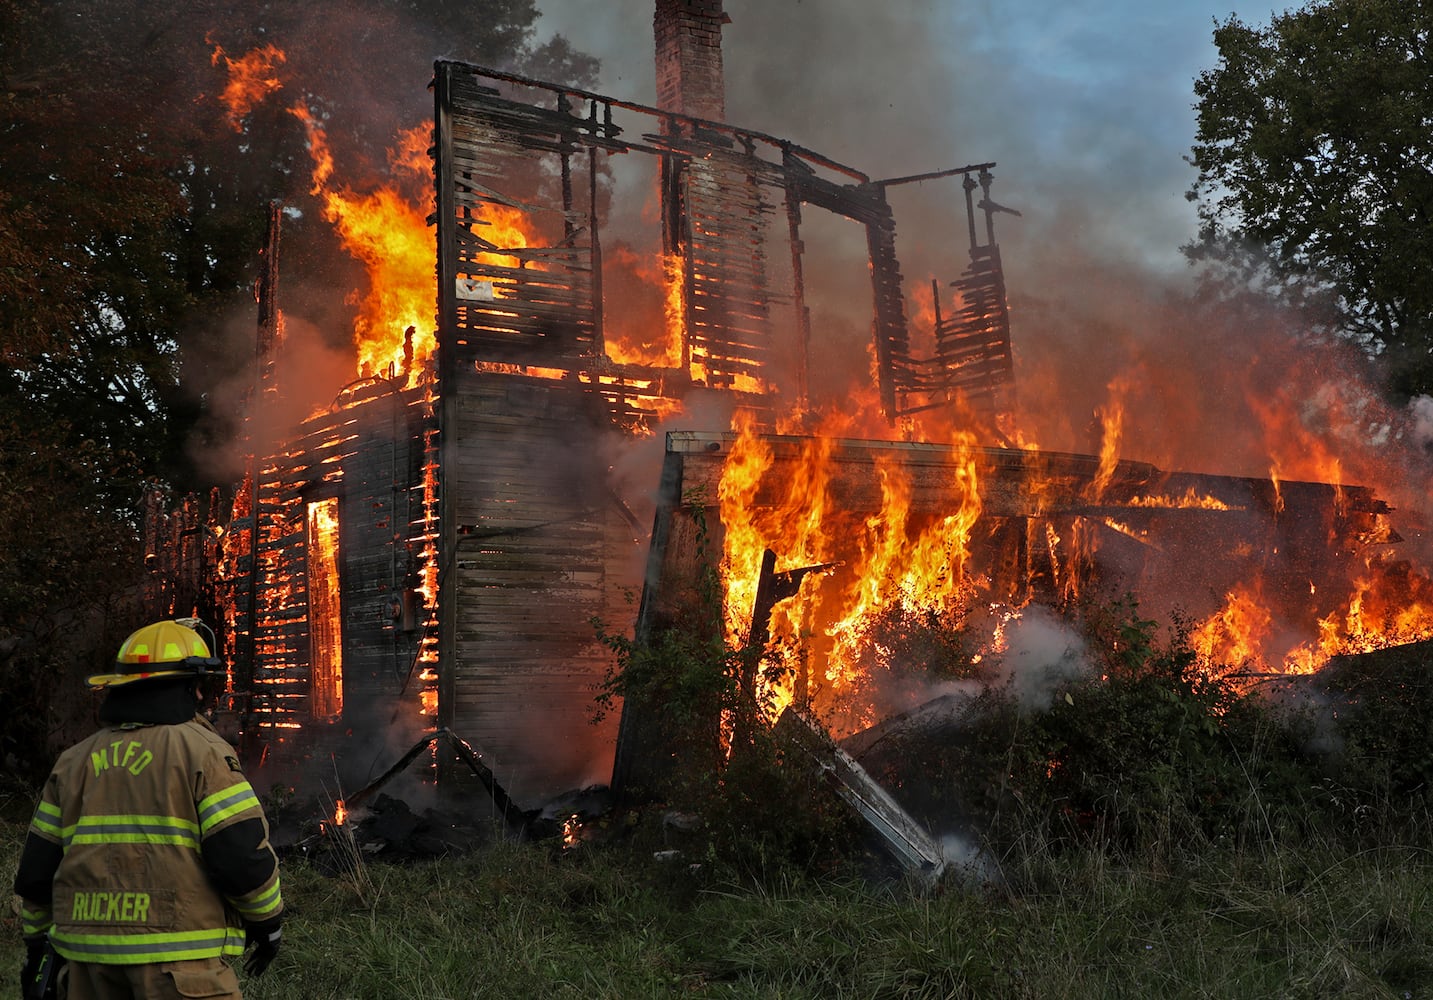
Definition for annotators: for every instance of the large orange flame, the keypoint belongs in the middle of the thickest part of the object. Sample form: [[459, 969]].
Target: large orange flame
[[630, 342], [1389, 605], [885, 559], [390, 236]]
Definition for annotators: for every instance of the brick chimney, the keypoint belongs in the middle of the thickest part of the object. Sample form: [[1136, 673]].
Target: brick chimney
[[689, 72]]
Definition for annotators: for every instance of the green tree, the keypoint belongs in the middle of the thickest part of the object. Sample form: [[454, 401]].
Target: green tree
[[1315, 162], [61, 599]]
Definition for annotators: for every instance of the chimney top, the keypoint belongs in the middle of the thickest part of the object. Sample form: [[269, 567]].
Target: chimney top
[[689, 67]]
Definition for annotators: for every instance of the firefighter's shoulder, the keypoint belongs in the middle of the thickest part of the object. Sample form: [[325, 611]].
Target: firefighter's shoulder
[[202, 732]]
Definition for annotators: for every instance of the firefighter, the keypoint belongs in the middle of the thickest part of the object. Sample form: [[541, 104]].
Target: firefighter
[[148, 860]]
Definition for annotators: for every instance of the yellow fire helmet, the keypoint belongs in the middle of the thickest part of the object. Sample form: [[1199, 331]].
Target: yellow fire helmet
[[164, 649]]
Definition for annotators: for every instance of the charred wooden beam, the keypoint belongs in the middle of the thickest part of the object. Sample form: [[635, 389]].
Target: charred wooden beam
[[268, 285], [1021, 483], [515, 818]]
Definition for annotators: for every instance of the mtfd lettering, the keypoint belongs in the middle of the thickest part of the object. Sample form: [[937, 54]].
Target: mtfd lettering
[[112, 907], [130, 756]]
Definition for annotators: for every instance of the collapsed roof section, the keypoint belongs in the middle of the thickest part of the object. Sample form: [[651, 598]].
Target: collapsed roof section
[[732, 206]]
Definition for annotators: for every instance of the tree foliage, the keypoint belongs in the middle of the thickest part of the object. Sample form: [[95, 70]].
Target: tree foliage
[[68, 551], [1315, 161], [132, 212], [133, 206]]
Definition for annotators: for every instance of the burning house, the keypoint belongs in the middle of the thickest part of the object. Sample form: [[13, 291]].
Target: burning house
[[430, 549]]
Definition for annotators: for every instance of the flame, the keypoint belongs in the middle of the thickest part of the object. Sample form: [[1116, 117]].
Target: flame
[[411, 153], [633, 340], [1119, 527], [1296, 450], [674, 309], [1189, 501], [746, 463], [325, 613], [889, 558], [340, 813], [509, 368], [506, 228], [429, 572], [1390, 604], [252, 78], [999, 641], [1235, 635], [381, 228], [1052, 553], [1112, 425], [572, 831], [390, 237], [428, 575]]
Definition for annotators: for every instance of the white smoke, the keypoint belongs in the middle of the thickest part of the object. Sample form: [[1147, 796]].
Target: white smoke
[[966, 861], [1043, 655], [1421, 410]]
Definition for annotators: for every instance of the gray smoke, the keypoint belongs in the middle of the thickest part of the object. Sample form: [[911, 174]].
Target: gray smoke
[[1086, 107], [1043, 653], [1081, 108]]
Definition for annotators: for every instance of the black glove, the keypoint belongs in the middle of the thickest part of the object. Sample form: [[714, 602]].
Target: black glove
[[39, 979], [264, 939]]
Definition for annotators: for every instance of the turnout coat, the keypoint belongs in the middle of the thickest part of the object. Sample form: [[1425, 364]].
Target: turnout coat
[[148, 845]]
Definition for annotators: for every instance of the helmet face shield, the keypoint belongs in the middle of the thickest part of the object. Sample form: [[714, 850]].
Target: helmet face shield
[[163, 649]]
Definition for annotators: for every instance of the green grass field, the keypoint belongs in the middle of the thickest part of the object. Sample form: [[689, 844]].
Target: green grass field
[[595, 921]]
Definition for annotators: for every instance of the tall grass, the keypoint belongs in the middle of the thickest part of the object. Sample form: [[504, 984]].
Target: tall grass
[[1293, 920]]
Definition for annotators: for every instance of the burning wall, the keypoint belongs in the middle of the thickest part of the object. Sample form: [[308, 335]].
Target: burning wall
[[949, 529]]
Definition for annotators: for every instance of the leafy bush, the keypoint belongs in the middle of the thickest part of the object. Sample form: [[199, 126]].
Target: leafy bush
[[1146, 752], [1378, 708]]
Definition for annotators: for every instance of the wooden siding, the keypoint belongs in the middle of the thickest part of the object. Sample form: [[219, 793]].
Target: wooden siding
[[541, 548], [729, 310], [368, 451]]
